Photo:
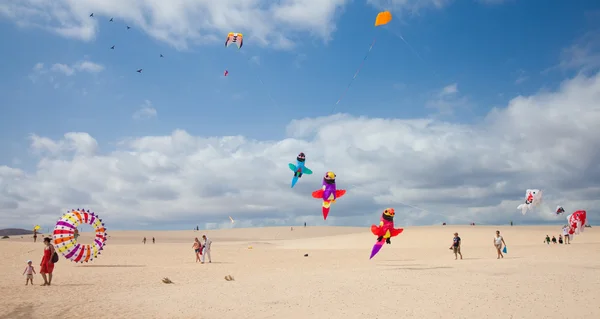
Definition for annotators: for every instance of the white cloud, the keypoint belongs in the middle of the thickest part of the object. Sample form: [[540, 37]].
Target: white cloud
[[62, 68], [409, 6], [179, 22], [145, 112], [447, 100], [521, 77], [88, 66], [458, 172], [450, 89]]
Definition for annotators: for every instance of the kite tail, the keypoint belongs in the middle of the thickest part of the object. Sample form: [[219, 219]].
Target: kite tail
[[355, 75], [376, 249]]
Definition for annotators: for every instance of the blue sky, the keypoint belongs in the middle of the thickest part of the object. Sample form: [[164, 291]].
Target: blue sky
[[491, 52]]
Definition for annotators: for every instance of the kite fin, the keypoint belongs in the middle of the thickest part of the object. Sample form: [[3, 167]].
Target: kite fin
[[396, 231], [339, 193], [317, 194], [306, 171], [292, 167], [294, 181], [375, 230]]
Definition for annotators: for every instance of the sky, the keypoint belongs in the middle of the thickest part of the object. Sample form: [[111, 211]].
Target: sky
[[458, 108]]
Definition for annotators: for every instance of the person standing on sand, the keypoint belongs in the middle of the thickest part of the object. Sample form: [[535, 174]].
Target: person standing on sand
[[498, 241], [197, 248], [47, 266], [206, 249], [35, 235], [144, 240], [29, 271], [153, 240], [456, 246], [566, 235]]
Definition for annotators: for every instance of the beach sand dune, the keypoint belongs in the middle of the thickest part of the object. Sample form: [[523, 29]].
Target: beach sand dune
[[414, 277]]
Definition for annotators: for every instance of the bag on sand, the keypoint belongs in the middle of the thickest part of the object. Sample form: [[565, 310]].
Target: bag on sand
[[54, 258]]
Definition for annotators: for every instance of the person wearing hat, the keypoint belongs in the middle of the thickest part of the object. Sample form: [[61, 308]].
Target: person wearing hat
[[29, 271], [456, 246]]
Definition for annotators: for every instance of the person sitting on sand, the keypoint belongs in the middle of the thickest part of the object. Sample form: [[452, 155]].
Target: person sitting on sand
[[553, 240], [547, 240], [560, 240], [456, 246], [197, 249], [29, 271], [498, 241]]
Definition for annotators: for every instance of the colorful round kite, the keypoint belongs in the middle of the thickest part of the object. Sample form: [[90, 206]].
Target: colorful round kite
[[66, 233]]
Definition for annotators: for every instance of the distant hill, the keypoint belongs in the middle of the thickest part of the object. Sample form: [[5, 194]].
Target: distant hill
[[15, 232]]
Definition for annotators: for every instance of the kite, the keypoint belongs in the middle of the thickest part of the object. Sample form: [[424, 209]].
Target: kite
[[66, 242], [533, 197], [382, 18], [36, 228], [328, 193], [225, 73], [299, 169], [559, 210], [385, 230], [236, 38], [231, 219], [577, 222]]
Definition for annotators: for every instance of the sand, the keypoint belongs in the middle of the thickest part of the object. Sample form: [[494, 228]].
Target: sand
[[415, 277]]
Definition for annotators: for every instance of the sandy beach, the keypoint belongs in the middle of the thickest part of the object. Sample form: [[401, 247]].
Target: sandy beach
[[414, 277]]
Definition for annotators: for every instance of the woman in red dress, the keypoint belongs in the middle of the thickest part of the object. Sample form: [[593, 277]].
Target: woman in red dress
[[47, 266]]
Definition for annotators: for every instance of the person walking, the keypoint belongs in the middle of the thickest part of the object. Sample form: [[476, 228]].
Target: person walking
[[47, 266], [456, 246], [206, 249], [498, 241], [197, 246]]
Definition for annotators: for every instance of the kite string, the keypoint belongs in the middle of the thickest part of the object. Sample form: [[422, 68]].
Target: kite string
[[355, 75], [262, 82]]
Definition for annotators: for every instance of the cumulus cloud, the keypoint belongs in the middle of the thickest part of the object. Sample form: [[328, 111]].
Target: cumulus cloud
[[447, 100], [65, 69], [453, 172], [180, 22], [145, 112]]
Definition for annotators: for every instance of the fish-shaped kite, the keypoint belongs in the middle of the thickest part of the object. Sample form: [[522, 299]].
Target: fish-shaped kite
[[385, 230], [299, 169], [328, 193]]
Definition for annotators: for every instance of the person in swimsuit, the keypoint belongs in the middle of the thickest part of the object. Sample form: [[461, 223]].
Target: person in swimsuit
[[47, 266], [29, 271], [498, 241], [197, 249]]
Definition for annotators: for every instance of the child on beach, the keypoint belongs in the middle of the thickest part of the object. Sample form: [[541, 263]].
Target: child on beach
[[29, 271], [547, 240], [560, 240]]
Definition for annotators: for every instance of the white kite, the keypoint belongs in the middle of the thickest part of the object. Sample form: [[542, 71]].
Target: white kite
[[533, 197], [231, 219]]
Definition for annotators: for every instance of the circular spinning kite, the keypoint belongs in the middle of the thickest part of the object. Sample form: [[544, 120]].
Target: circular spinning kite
[[65, 239]]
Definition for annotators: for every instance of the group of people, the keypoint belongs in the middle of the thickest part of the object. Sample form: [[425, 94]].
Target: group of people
[[565, 238], [498, 242], [153, 240], [46, 266], [202, 249]]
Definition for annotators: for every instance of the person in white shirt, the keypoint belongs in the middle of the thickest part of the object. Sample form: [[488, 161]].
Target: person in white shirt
[[206, 249], [498, 241], [566, 235]]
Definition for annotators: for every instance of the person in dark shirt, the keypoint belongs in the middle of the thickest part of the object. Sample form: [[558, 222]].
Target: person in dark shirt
[[456, 246]]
